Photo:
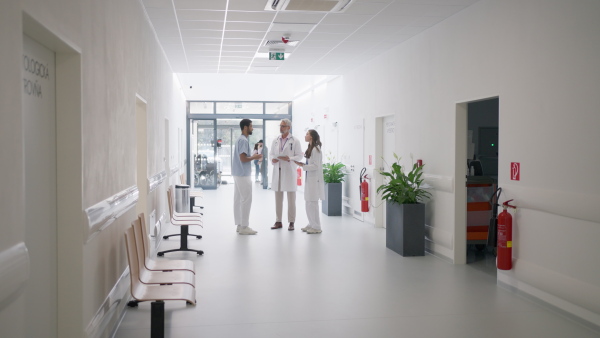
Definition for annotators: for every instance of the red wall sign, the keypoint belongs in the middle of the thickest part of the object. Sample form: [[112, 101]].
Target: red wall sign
[[515, 171]]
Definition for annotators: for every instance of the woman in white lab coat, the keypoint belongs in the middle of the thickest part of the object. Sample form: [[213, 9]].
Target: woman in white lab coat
[[315, 186]]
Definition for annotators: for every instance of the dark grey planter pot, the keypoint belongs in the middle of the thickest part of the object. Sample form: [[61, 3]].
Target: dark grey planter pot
[[405, 228], [332, 205]]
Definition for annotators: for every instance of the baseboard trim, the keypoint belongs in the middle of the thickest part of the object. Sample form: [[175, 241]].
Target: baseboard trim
[[549, 306], [109, 315]]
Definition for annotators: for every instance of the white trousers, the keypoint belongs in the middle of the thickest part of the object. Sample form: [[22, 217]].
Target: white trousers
[[312, 212], [242, 200], [291, 197]]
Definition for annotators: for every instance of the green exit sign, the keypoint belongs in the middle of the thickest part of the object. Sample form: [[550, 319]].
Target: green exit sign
[[276, 56]]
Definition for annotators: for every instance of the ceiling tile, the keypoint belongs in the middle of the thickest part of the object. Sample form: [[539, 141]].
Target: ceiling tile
[[169, 40], [344, 29], [298, 17], [365, 8], [247, 26], [345, 19], [203, 53], [156, 12], [201, 41], [247, 5], [244, 35], [184, 14], [201, 33], [391, 19], [241, 42], [237, 54], [158, 3], [327, 37], [239, 48], [200, 24], [201, 4], [428, 21], [250, 16]]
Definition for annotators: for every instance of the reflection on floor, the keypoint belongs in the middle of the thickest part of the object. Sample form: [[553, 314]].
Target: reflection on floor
[[482, 259], [343, 282]]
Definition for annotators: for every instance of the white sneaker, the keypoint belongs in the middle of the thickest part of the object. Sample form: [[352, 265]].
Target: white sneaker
[[247, 231], [238, 228], [305, 228], [313, 231]]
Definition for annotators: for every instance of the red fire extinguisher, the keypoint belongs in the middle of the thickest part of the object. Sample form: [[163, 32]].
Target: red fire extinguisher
[[504, 259], [299, 176], [364, 191]]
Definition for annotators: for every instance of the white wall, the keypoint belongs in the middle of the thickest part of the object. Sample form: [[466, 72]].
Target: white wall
[[120, 57], [540, 58], [12, 185]]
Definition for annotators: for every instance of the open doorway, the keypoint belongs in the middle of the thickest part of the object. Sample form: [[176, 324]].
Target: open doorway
[[482, 181]]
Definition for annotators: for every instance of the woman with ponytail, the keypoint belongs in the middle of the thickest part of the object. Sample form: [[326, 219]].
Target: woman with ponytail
[[315, 186]]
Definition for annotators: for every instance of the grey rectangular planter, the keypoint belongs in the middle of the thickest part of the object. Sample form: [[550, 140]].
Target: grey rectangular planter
[[332, 205], [405, 228]]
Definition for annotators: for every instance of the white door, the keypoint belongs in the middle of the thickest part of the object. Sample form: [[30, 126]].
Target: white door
[[39, 129]]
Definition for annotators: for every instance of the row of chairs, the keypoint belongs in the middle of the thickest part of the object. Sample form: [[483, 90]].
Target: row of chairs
[[160, 280]]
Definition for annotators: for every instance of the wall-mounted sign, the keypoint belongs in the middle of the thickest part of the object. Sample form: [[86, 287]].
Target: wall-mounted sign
[[276, 56], [515, 171]]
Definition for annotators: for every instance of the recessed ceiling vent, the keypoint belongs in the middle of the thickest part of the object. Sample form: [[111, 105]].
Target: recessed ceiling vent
[[335, 6], [279, 43]]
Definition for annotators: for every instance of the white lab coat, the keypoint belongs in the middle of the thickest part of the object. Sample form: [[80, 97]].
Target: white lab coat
[[314, 189], [293, 149]]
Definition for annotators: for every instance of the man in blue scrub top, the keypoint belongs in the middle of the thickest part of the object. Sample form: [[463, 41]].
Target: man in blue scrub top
[[241, 170]]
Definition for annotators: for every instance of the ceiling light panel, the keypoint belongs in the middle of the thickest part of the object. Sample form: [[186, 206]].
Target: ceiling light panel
[[201, 4]]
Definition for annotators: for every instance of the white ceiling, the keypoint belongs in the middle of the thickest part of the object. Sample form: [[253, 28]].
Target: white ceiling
[[226, 36]]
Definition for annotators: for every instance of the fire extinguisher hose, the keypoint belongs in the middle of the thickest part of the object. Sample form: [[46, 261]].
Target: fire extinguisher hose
[[493, 228]]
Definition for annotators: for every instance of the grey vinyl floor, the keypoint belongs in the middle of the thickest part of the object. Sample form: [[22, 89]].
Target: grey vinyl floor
[[341, 283]]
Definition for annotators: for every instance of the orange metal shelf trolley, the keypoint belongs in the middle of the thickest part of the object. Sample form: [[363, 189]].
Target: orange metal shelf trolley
[[479, 210]]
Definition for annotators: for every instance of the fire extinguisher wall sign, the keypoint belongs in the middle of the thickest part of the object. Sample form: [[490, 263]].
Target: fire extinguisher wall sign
[[505, 244]]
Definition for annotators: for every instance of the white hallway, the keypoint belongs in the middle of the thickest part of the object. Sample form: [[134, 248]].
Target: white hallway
[[341, 283]]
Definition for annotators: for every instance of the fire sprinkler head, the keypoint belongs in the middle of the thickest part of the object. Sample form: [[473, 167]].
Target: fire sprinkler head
[[285, 39]]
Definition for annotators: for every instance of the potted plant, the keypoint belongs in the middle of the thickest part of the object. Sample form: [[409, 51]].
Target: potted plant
[[405, 210], [333, 175]]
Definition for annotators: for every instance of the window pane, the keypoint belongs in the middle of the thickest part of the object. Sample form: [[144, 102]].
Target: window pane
[[202, 107], [277, 108], [239, 108]]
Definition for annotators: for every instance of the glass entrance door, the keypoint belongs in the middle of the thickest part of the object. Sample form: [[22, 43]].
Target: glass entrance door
[[206, 167], [228, 131]]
